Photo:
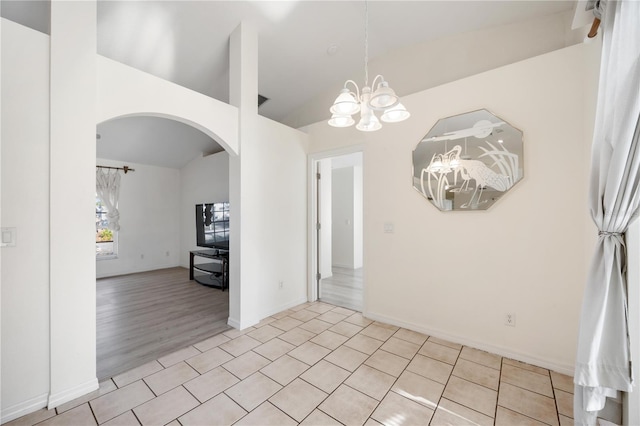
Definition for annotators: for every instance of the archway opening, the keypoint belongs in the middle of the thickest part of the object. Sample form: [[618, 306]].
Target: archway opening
[[147, 305]]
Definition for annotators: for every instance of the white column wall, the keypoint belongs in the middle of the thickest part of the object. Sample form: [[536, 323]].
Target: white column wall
[[243, 92], [72, 200]]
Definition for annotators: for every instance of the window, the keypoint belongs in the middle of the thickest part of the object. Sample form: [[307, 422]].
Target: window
[[106, 239]]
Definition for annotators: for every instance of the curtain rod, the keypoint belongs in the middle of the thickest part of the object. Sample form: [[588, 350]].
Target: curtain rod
[[125, 168]]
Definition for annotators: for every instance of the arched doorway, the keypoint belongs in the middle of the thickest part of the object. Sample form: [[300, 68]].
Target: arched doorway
[[146, 305]]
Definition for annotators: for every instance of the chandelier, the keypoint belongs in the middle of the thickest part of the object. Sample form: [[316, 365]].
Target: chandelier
[[383, 99]]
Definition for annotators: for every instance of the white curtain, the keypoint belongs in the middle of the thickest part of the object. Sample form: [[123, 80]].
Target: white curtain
[[603, 359], [108, 189]]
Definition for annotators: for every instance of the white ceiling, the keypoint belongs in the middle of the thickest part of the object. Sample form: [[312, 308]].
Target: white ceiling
[[187, 42], [152, 140]]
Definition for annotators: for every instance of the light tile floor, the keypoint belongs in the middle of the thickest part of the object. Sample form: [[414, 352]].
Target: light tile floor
[[318, 364]]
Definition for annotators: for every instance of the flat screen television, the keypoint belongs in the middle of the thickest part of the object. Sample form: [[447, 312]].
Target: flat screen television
[[212, 225]]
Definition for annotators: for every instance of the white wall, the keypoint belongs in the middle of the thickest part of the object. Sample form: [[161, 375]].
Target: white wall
[[202, 180], [455, 274], [347, 226], [25, 206], [149, 207], [274, 215], [342, 217], [124, 91]]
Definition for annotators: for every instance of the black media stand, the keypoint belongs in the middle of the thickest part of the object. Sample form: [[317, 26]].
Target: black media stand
[[212, 274]]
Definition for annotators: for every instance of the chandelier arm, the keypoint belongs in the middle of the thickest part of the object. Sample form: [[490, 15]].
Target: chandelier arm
[[373, 84], [354, 85]]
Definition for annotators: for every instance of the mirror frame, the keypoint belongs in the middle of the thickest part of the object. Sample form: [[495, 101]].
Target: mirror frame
[[468, 161]]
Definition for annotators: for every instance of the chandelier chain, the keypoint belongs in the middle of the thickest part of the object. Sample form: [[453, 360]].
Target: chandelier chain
[[366, 43]]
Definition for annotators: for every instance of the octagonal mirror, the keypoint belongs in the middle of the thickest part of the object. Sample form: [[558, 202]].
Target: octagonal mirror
[[468, 162]]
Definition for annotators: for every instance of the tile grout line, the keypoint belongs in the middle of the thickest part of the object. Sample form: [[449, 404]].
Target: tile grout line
[[134, 415], [448, 379], [495, 413], [94, 414], [555, 401]]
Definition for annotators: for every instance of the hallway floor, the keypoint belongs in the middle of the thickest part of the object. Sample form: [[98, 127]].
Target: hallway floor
[[343, 288], [318, 364]]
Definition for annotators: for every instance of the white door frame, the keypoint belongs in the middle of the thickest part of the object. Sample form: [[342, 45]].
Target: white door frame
[[312, 238]]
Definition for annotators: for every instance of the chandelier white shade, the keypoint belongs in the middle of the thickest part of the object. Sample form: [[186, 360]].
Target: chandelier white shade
[[345, 103], [338, 120], [383, 99], [396, 114]]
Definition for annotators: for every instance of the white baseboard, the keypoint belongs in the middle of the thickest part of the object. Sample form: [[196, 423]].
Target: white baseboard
[[136, 270], [248, 322], [241, 325], [59, 398], [284, 307], [24, 408], [232, 322], [498, 350]]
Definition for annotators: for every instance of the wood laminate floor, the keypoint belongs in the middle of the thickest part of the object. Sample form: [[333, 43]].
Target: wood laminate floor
[[343, 288], [141, 317]]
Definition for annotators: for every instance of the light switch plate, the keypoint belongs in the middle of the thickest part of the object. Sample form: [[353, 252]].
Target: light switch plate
[[388, 228], [8, 237]]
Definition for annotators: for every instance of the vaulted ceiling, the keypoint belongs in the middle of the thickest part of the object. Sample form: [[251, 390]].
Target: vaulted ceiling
[[305, 47]]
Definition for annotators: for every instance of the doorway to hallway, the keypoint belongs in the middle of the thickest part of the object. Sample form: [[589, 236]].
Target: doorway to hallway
[[339, 230]]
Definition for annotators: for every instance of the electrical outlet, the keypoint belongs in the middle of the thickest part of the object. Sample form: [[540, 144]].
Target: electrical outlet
[[510, 319], [280, 285]]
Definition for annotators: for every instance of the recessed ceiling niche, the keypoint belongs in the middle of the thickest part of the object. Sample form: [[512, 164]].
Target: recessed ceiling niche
[[468, 161]]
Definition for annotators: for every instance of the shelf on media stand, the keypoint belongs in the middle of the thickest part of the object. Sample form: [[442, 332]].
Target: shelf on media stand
[[212, 274]]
